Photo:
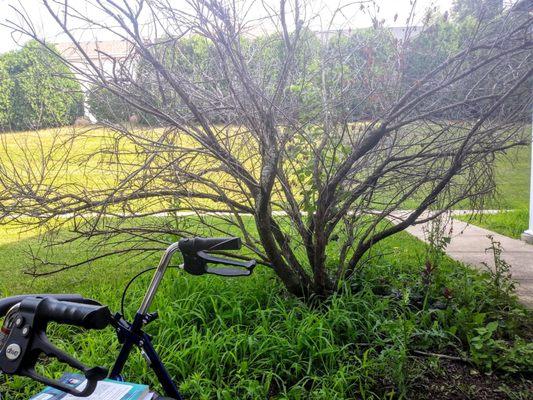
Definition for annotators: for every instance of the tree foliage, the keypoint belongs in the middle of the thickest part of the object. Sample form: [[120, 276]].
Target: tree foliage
[[38, 91], [6, 86], [477, 9]]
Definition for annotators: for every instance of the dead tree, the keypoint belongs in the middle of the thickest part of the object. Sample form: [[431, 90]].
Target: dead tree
[[304, 144]]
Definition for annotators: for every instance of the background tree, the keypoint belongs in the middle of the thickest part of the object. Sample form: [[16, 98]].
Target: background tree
[[305, 145], [6, 86], [41, 89], [478, 9]]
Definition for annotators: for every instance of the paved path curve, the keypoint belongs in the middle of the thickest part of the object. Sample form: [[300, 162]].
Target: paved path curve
[[468, 244]]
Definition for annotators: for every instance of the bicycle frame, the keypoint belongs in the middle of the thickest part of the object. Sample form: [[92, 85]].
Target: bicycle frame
[[132, 334]]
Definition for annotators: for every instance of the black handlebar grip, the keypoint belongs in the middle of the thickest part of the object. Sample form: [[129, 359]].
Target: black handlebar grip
[[194, 245], [8, 302], [83, 315]]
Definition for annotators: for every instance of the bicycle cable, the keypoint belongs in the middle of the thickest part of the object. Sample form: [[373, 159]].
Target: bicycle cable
[[124, 293]]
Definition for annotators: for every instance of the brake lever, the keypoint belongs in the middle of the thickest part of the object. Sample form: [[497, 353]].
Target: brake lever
[[198, 264], [245, 267], [27, 340], [228, 272], [41, 344]]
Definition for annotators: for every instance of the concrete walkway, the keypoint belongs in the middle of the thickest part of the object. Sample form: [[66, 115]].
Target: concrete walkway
[[468, 244]]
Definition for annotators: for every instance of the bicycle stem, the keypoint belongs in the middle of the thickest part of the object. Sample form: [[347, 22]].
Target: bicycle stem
[[157, 278], [133, 335]]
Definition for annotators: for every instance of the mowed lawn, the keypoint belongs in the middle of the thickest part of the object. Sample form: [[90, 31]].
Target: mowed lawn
[[509, 223], [91, 162], [67, 155], [77, 159], [513, 181]]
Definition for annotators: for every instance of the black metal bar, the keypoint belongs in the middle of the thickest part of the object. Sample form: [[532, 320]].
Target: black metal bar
[[128, 335], [131, 335], [159, 369]]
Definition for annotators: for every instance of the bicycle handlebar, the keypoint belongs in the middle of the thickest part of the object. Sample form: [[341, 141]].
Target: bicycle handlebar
[[87, 316], [8, 302], [194, 245], [28, 316], [195, 261], [25, 337]]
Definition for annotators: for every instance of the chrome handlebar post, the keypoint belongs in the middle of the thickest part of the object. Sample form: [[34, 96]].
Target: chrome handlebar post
[[158, 277]]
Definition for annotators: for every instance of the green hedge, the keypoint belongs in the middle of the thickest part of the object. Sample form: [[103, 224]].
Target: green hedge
[[6, 86], [37, 90], [108, 107]]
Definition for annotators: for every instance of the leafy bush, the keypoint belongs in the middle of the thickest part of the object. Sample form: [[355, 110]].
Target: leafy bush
[[488, 352], [105, 106], [6, 85], [39, 91], [108, 107]]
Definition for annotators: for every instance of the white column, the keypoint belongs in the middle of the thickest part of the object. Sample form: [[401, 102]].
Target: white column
[[527, 236]]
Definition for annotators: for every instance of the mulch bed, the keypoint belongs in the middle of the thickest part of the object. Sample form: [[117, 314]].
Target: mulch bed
[[458, 381]]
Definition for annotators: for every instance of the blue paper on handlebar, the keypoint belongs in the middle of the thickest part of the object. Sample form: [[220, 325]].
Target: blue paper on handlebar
[[105, 390]]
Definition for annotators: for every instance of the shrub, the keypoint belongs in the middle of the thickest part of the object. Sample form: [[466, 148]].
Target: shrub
[[6, 85], [40, 90], [105, 106], [109, 108], [247, 135]]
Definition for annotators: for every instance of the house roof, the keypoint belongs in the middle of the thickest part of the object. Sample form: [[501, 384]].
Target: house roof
[[95, 50]]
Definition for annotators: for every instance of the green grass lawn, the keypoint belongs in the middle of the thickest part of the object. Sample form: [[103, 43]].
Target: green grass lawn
[[76, 161], [512, 178], [509, 223], [246, 339]]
